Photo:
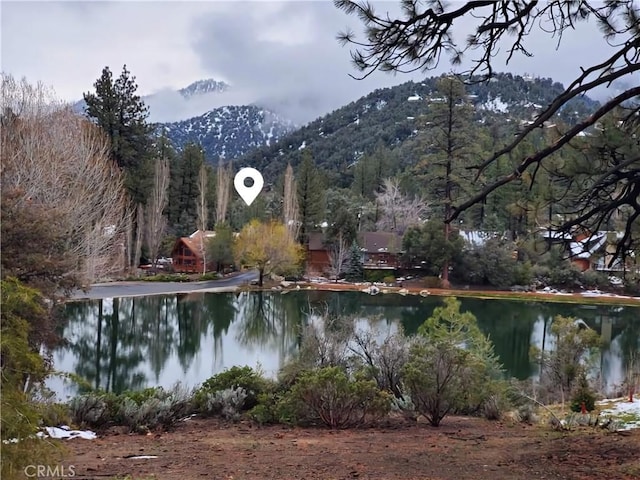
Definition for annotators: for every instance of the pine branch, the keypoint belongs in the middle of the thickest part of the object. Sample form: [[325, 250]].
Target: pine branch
[[546, 152]]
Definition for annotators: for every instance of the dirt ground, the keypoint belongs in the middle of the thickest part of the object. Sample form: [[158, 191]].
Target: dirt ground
[[460, 449]]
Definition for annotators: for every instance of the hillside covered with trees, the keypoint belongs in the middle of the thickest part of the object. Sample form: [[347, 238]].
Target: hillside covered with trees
[[390, 117]]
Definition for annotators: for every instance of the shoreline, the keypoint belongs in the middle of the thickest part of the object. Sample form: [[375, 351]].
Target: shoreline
[[605, 299], [172, 288]]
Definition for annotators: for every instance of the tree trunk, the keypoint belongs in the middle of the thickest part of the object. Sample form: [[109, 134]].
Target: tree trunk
[[139, 226]]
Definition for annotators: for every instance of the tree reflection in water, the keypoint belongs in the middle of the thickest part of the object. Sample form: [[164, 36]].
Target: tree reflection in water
[[131, 343]]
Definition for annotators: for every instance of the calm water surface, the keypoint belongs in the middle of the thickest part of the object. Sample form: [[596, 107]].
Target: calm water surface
[[131, 343]]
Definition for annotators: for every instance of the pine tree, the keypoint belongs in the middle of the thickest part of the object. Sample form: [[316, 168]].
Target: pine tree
[[354, 271], [122, 115], [183, 189], [310, 194], [450, 149]]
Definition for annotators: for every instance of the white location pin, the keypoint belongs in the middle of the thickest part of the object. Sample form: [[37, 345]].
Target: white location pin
[[248, 194]]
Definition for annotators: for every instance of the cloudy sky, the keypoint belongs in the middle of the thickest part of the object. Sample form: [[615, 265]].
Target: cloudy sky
[[284, 54]]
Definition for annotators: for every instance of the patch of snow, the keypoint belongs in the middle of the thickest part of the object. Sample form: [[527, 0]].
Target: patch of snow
[[303, 146], [64, 432], [495, 105], [623, 407]]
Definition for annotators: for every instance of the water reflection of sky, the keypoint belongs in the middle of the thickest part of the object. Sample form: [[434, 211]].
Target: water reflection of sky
[[165, 339]]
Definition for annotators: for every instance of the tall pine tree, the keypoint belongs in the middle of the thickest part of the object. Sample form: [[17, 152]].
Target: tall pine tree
[[449, 150], [310, 195], [122, 115], [183, 189]]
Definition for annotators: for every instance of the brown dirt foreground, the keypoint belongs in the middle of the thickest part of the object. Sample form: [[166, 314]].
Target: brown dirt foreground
[[462, 448]]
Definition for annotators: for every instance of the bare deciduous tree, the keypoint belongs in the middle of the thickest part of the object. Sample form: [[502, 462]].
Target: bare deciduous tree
[[290, 207], [338, 257], [398, 212], [632, 376], [384, 355], [156, 220], [222, 192], [203, 212], [59, 159]]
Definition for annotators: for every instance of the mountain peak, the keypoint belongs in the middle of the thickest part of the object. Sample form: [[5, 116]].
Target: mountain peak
[[200, 87]]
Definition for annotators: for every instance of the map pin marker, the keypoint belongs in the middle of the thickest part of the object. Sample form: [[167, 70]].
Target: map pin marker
[[248, 194]]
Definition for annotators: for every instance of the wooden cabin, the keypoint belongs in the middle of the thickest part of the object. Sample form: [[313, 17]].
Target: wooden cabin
[[188, 253]]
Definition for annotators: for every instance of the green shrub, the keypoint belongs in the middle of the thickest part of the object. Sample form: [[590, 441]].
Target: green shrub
[[565, 275], [140, 396], [166, 277], [273, 407], [374, 276], [432, 282], [163, 409], [54, 414], [583, 394], [140, 411], [22, 315], [91, 410], [227, 403], [593, 279], [524, 273], [528, 413], [245, 377], [452, 367], [328, 396], [389, 279]]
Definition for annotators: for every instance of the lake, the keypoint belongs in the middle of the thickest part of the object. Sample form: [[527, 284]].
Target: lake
[[131, 343]]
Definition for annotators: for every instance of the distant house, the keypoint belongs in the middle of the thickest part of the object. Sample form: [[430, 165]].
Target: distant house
[[380, 250], [586, 249], [589, 251], [318, 260], [187, 254]]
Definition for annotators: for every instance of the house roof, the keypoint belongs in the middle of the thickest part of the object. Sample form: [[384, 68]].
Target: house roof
[[584, 245], [588, 246], [378, 242], [194, 241]]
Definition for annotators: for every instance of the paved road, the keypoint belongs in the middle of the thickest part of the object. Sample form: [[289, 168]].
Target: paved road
[[134, 289]]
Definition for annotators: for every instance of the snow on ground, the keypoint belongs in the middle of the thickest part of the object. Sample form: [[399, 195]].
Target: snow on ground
[[621, 409], [64, 432]]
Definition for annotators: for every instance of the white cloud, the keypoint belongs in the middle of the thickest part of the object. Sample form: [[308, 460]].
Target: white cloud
[[67, 44], [282, 53]]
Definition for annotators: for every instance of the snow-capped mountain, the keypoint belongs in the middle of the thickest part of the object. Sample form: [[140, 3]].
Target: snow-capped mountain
[[204, 93], [229, 132], [201, 87], [223, 131]]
